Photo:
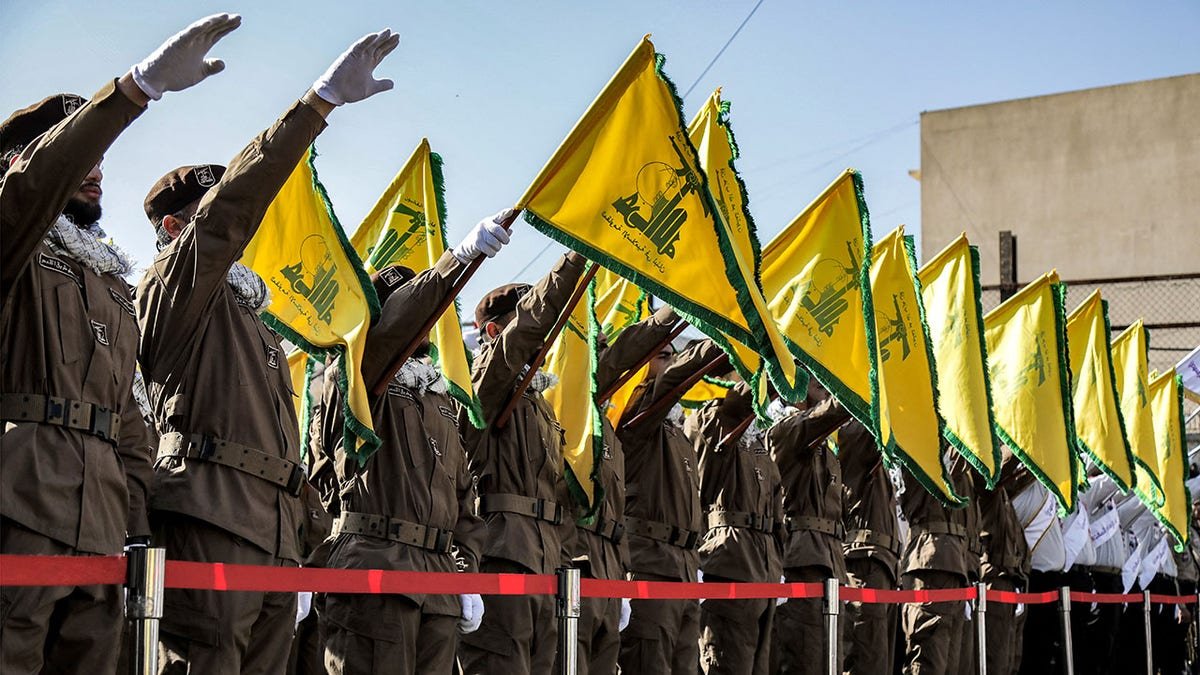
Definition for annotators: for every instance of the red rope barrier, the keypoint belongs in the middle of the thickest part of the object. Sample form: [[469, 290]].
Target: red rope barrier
[[38, 570]]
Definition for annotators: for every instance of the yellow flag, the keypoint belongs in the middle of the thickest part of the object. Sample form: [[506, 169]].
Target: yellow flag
[[814, 274], [625, 189], [619, 303], [950, 291], [572, 359], [909, 423], [321, 299], [1098, 421], [713, 137], [1166, 407], [1031, 382], [1129, 353], [407, 226], [299, 370], [708, 389]]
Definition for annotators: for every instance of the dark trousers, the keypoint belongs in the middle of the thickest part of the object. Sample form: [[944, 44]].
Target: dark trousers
[[735, 635], [1168, 635], [1095, 646], [663, 636], [1131, 653], [1042, 652], [870, 634], [519, 633], [58, 629]]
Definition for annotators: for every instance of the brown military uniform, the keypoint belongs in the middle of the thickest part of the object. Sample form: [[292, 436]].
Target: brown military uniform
[[1004, 567], [218, 379], [742, 494], [937, 555], [74, 452], [601, 549], [812, 502], [663, 518], [872, 548], [410, 506], [522, 493]]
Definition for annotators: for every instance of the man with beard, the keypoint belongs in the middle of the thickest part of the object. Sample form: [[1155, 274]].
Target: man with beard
[[410, 504], [227, 479], [522, 492], [75, 453]]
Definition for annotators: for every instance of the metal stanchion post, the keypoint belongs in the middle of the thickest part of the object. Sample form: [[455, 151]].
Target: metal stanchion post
[[566, 603], [833, 607], [1146, 620], [144, 606], [981, 625], [1064, 606]]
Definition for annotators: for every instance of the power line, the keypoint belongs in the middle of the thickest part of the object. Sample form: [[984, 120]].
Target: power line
[[727, 43]]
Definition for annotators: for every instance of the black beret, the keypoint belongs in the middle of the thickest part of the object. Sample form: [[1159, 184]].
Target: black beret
[[25, 125], [389, 279], [499, 302], [180, 187]]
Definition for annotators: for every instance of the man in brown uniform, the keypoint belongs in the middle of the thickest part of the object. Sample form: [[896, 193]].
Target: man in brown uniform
[[743, 501], [662, 513], [227, 477], [74, 451], [872, 548], [812, 502], [601, 548], [522, 492], [935, 556], [410, 505], [1004, 566]]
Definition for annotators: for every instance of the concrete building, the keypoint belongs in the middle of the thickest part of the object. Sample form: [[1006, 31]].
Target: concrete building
[[1102, 184]]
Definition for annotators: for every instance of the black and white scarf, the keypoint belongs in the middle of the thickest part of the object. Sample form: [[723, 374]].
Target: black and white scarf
[[86, 246], [419, 377]]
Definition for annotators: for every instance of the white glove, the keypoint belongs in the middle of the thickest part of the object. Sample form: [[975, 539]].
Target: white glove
[[472, 613], [487, 238], [625, 610], [351, 77], [967, 610], [700, 580], [179, 63], [780, 601], [303, 605], [1020, 609]]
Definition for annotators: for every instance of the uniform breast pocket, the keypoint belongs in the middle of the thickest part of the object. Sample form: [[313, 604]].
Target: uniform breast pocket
[[71, 322]]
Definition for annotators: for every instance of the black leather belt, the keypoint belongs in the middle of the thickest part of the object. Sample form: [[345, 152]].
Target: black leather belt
[[282, 473], [541, 509], [662, 532], [90, 418], [941, 527], [743, 519], [609, 529], [394, 529], [812, 523]]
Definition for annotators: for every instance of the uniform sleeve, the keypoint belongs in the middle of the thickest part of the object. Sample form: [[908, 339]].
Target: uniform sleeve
[[796, 432], [137, 447], [632, 345], [502, 362], [181, 284], [683, 366], [51, 170], [470, 532], [405, 311]]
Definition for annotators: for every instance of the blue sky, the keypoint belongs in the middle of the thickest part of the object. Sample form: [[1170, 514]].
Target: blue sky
[[496, 85]]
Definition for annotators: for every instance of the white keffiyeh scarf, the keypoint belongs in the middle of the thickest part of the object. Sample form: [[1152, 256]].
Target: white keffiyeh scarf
[[752, 435], [86, 246], [419, 377], [778, 410]]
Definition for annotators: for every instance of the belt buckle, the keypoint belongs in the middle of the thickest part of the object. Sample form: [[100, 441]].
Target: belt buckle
[[443, 541], [295, 481], [102, 422], [755, 521], [208, 447], [56, 410]]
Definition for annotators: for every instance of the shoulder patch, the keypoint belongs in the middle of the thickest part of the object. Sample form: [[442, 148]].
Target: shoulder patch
[[100, 331], [448, 413], [59, 265], [272, 358], [123, 301]]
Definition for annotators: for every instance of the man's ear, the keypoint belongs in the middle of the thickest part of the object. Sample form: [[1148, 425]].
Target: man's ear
[[173, 226], [492, 329]]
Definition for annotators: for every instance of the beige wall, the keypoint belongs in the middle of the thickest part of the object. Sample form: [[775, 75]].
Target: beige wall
[[1098, 183]]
